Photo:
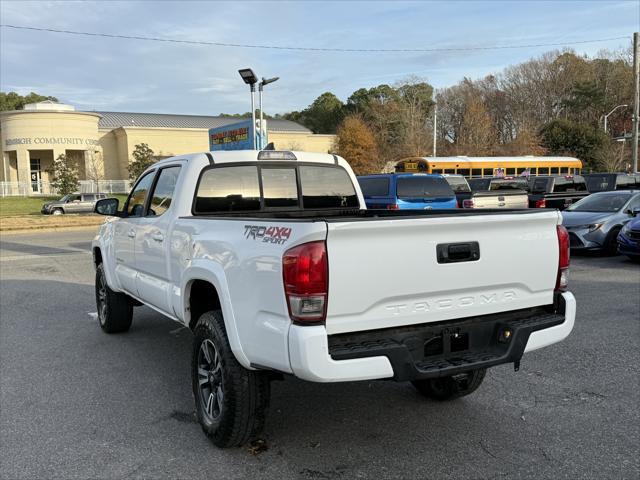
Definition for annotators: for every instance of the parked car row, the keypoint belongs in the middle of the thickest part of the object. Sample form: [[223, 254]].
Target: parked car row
[[595, 221]]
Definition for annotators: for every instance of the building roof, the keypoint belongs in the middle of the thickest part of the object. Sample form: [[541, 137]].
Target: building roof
[[131, 119]]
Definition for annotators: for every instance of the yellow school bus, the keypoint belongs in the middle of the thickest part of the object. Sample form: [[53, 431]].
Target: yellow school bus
[[478, 167]]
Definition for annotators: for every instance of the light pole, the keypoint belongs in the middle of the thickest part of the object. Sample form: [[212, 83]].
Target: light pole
[[435, 127], [607, 115], [265, 81], [250, 79]]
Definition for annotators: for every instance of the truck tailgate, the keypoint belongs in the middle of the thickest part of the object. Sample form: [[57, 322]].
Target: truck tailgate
[[386, 272]]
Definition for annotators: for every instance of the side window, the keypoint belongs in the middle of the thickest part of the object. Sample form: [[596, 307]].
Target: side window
[[75, 198], [228, 189], [279, 187], [138, 196], [163, 191], [89, 198], [634, 204]]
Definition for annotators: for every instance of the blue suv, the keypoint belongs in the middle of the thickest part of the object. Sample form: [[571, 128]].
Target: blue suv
[[407, 191]]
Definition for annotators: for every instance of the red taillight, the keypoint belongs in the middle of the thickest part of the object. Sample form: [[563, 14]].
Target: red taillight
[[562, 279], [306, 276], [393, 206], [541, 203], [468, 203]]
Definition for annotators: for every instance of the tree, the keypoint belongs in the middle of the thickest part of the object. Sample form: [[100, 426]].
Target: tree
[[477, 135], [324, 114], [143, 157], [65, 175], [94, 166], [15, 101], [357, 145], [566, 137]]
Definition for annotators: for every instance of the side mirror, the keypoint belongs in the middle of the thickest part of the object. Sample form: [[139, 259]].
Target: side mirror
[[634, 213], [108, 206]]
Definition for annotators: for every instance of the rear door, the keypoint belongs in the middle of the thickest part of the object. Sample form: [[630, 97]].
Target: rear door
[[386, 272], [86, 203], [152, 242]]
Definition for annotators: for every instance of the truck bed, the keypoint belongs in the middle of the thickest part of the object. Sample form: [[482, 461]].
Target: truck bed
[[359, 215]]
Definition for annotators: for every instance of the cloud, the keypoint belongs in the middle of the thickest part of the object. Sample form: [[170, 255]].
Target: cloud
[[112, 74]]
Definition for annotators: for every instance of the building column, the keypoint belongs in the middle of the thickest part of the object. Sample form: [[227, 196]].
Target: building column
[[6, 176], [23, 165]]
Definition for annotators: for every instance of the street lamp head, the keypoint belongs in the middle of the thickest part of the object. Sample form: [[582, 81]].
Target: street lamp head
[[267, 81], [248, 76]]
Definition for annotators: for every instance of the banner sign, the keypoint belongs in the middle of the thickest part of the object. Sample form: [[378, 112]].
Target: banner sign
[[237, 136]]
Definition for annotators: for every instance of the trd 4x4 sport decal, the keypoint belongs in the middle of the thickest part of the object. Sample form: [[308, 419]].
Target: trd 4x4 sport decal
[[278, 235]]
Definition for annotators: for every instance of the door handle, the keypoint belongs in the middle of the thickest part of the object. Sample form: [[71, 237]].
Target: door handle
[[131, 233], [158, 237]]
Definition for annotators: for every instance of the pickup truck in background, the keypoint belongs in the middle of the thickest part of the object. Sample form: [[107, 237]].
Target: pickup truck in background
[[273, 262], [460, 187], [604, 182], [498, 193], [407, 191], [555, 191]]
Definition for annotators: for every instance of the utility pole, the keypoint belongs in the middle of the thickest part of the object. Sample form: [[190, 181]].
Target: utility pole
[[435, 127], [636, 101]]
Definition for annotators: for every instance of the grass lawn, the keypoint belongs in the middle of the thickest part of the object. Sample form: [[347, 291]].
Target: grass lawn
[[11, 206]]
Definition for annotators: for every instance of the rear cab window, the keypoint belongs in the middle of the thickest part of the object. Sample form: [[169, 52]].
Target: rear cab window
[[269, 187]]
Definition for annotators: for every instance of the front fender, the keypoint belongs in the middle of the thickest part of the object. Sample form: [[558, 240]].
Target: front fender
[[214, 274], [104, 242]]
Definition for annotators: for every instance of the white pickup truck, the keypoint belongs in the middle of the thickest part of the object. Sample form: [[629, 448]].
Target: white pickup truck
[[273, 262]]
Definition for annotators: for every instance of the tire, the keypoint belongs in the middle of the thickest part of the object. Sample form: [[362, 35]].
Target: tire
[[115, 310], [57, 211], [611, 243], [450, 388], [231, 401]]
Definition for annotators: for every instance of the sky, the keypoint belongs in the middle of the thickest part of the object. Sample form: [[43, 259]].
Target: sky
[[96, 73]]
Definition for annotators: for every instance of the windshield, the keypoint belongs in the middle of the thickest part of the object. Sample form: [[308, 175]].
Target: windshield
[[66, 198], [458, 184], [421, 187], [611, 202]]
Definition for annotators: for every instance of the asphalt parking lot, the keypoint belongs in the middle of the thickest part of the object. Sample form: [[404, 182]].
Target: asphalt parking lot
[[77, 403]]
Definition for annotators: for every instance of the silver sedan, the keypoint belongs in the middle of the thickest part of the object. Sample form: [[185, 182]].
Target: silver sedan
[[595, 221]]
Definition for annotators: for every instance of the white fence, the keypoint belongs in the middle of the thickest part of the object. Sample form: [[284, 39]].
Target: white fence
[[24, 189]]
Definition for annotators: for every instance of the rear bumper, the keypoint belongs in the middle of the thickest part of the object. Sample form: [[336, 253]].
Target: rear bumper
[[428, 350]]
